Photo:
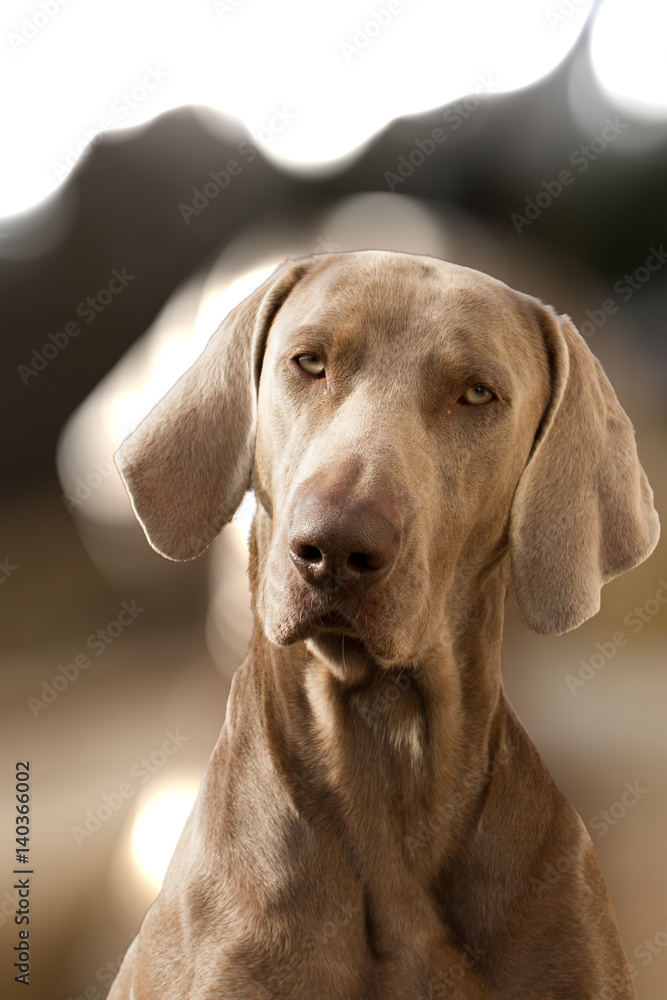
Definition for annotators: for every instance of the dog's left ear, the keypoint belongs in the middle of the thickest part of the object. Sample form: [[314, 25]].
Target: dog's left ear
[[583, 509], [188, 464]]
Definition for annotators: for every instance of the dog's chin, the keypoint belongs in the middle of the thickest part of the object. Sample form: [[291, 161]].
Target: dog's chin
[[348, 656], [339, 642], [349, 636]]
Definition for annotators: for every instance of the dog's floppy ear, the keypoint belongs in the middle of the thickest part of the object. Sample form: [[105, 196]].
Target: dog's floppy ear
[[188, 463], [583, 509]]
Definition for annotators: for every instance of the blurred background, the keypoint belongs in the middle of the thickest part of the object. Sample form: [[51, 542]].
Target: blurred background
[[158, 163]]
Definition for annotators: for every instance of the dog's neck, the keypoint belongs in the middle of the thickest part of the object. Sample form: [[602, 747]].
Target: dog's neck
[[417, 742]]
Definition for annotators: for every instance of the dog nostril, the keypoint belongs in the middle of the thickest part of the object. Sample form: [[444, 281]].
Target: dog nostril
[[360, 561], [309, 553]]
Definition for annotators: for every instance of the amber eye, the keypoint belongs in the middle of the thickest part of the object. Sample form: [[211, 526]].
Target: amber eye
[[477, 394], [311, 364]]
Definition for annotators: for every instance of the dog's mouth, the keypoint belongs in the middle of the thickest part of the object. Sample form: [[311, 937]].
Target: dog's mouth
[[331, 621], [339, 638], [339, 634], [328, 622]]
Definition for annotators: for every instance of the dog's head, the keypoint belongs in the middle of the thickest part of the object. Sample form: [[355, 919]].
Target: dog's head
[[406, 424]]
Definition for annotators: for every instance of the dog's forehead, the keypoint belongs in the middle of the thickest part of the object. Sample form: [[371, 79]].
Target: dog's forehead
[[420, 301]]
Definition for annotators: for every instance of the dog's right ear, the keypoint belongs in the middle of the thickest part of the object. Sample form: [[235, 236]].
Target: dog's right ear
[[188, 463]]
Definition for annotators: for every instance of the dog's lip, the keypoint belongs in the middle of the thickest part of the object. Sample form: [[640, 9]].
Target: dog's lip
[[326, 616], [330, 621], [334, 621], [337, 630]]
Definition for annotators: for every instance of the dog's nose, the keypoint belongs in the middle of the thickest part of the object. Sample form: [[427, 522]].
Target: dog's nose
[[343, 545]]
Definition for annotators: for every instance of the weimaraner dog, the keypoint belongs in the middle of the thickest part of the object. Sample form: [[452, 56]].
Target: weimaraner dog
[[375, 823]]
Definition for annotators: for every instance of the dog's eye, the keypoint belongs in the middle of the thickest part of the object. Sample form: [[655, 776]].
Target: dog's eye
[[311, 364], [477, 394]]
